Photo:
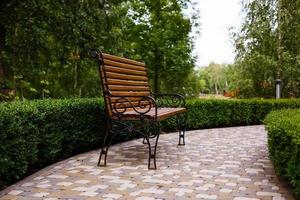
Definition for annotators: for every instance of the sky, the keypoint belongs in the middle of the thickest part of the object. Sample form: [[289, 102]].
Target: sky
[[216, 17]]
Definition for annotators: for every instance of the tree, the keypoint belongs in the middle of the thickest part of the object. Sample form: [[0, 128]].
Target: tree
[[47, 43], [268, 45], [160, 36], [4, 90], [214, 77]]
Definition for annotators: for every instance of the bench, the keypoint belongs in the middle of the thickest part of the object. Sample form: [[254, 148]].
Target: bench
[[131, 107]]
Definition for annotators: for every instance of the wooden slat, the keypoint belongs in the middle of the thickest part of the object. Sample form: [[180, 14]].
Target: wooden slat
[[113, 99], [133, 103], [123, 60], [131, 93], [171, 112], [162, 113], [125, 76], [124, 65], [127, 88], [125, 70], [125, 82]]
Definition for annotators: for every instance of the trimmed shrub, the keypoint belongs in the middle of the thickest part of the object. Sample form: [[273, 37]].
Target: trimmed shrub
[[18, 141], [68, 127], [284, 144], [222, 113], [34, 134], [37, 133]]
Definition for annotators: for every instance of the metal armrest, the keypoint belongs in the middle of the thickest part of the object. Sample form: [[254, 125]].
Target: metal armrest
[[169, 100], [123, 104]]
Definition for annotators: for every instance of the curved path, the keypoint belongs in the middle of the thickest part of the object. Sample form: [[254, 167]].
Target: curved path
[[225, 163]]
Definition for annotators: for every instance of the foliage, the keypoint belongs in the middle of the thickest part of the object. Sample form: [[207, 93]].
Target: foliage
[[18, 141], [222, 113], [193, 85], [268, 47], [159, 35], [34, 134], [284, 144], [213, 75], [47, 42], [219, 78]]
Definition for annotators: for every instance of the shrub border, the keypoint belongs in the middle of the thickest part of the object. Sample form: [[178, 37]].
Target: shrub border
[[34, 134], [283, 128]]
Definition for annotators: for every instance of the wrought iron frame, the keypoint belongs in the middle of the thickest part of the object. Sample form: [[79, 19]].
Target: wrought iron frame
[[149, 127]]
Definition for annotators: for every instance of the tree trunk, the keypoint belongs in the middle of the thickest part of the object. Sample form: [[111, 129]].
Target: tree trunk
[[157, 53], [156, 68], [75, 78], [2, 43], [216, 88], [279, 47], [3, 71]]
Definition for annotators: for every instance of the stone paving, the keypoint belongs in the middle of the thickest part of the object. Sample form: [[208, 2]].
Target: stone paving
[[225, 163]]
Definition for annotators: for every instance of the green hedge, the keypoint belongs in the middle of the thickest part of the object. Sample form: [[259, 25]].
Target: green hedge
[[34, 134], [37, 133], [222, 113], [284, 144]]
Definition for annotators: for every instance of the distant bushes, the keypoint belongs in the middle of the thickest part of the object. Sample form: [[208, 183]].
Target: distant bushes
[[222, 113], [284, 144], [34, 134]]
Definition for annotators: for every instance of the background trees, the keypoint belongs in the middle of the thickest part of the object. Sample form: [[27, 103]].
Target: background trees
[[268, 47], [158, 33], [218, 78], [45, 52], [47, 43], [44, 47]]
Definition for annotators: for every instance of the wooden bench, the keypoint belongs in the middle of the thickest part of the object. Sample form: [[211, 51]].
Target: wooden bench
[[128, 98]]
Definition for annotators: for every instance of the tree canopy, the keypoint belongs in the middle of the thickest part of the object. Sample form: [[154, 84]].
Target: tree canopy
[[268, 47], [45, 52]]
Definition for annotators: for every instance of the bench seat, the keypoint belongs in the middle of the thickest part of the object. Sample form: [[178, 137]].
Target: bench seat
[[162, 113]]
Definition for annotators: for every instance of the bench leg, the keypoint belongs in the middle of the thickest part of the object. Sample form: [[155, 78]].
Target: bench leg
[[181, 125], [109, 136], [151, 138], [144, 141]]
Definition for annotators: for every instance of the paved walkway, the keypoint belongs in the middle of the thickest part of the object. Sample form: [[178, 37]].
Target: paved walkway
[[226, 163]]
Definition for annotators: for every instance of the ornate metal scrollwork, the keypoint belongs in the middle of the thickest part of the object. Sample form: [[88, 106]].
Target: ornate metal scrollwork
[[143, 106], [181, 120], [169, 100], [97, 54], [151, 132]]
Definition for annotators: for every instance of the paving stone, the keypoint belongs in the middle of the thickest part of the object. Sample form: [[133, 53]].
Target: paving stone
[[223, 164], [58, 176], [28, 184], [15, 192], [278, 198], [145, 198], [89, 193], [225, 190], [82, 181], [273, 194], [206, 196], [40, 194], [64, 183]]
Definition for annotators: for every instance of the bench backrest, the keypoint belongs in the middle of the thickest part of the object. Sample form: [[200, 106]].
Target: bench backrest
[[122, 77]]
